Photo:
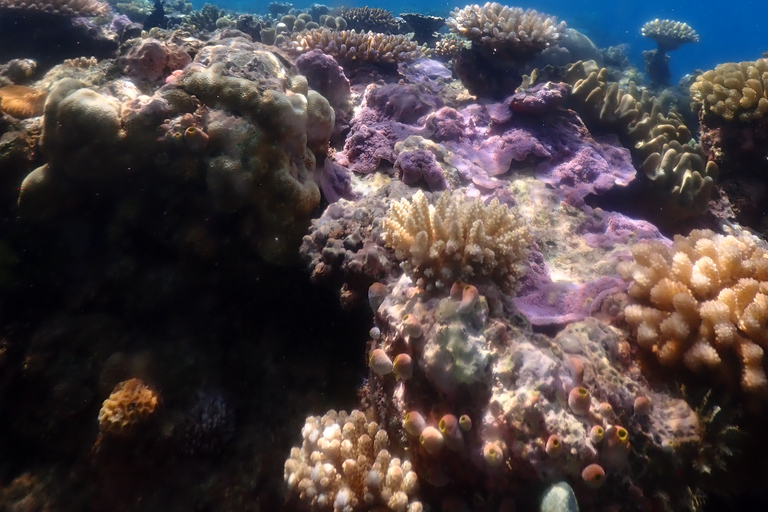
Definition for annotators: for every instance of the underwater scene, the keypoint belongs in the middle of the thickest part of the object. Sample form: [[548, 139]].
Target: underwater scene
[[403, 257]]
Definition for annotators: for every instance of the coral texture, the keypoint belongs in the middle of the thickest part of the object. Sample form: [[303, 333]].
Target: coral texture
[[21, 102], [64, 7], [734, 90], [669, 34], [351, 46], [457, 239], [507, 30], [702, 301], [344, 464], [367, 18], [130, 404]]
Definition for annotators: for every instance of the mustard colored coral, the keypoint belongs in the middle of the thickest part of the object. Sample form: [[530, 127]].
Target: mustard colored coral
[[702, 303], [344, 464], [130, 404], [457, 239], [734, 90]]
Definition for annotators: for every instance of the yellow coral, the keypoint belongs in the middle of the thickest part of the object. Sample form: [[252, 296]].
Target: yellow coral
[[702, 299], [734, 90], [130, 404], [457, 239]]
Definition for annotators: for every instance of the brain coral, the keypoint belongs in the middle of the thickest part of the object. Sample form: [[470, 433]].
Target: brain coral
[[64, 7], [130, 404], [344, 464], [509, 30], [734, 90], [457, 239], [701, 302]]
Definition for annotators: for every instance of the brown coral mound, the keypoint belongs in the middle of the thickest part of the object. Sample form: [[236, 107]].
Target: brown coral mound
[[701, 302], [668, 34], [64, 7], [734, 89], [373, 19], [130, 404], [349, 45], [21, 102], [509, 30]]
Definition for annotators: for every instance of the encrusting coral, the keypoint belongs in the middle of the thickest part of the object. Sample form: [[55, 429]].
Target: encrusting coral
[[63, 7], [702, 301], [344, 464], [349, 45], [734, 90], [457, 239], [130, 404], [509, 31]]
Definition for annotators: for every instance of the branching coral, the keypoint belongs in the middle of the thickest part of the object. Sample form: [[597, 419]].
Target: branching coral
[[64, 7], [344, 464], [702, 301], [508, 30], [348, 45], [668, 34], [734, 90], [457, 239], [366, 18]]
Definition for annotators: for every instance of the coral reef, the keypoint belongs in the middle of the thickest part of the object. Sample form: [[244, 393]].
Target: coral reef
[[701, 301], [62, 7], [345, 464], [456, 239]]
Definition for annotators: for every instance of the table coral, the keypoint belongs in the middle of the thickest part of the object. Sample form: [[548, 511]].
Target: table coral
[[669, 34], [701, 302], [349, 46], [457, 239]]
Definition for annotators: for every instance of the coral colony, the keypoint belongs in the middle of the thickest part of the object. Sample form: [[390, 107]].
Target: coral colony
[[557, 261]]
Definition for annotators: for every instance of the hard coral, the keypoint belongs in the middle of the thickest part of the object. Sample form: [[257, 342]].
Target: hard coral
[[366, 18], [668, 34], [21, 102], [701, 301], [509, 31], [350, 46], [457, 239], [63, 7], [734, 90], [130, 404], [344, 464]]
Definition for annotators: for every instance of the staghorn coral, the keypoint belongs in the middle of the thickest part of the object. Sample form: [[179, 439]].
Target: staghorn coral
[[457, 239], [367, 18], [509, 31], [63, 7], [350, 46], [130, 404], [701, 302], [733, 90], [681, 175], [344, 464], [21, 102], [668, 34]]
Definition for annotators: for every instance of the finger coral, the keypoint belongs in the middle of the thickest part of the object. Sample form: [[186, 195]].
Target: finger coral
[[63, 7], [457, 239], [508, 30], [702, 303], [130, 404], [669, 34], [734, 90], [349, 45], [344, 464]]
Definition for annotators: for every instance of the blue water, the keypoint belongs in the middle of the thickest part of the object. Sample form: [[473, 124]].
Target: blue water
[[729, 31]]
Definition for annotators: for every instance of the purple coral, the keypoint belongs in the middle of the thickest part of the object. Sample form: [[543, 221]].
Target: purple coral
[[419, 165]]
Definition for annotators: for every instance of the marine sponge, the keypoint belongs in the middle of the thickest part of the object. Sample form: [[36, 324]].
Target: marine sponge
[[701, 302], [457, 239], [344, 464], [668, 34], [130, 404], [734, 90], [351, 46], [64, 7], [510, 31]]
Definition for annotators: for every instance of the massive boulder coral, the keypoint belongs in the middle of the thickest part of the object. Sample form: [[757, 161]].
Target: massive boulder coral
[[457, 239], [703, 304]]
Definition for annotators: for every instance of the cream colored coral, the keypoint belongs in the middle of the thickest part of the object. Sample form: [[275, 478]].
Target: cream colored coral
[[525, 32], [130, 404], [457, 239], [344, 465], [734, 89], [669, 34], [349, 45], [702, 301]]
